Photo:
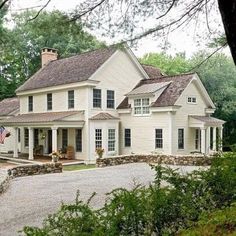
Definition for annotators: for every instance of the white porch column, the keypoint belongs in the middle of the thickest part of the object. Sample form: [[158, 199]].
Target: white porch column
[[214, 139], [203, 141], [170, 126], [31, 143], [15, 152], [220, 138], [54, 138], [208, 137]]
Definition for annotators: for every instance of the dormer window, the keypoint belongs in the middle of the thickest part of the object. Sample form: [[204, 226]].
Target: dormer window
[[141, 106], [192, 100]]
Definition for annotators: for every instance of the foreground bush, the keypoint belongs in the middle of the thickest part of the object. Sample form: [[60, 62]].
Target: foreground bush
[[152, 210]]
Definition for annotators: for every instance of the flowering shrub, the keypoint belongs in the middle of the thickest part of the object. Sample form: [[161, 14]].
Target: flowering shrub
[[100, 152]]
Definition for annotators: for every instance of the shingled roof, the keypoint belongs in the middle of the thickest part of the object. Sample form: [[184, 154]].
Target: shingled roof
[[68, 70], [152, 71], [9, 105], [170, 95], [104, 116]]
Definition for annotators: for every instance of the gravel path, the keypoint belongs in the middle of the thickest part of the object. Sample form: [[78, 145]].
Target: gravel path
[[30, 199]]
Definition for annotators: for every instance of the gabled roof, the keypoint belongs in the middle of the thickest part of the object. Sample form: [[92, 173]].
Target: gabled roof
[[68, 70], [171, 93], [208, 120], [9, 105], [104, 116], [152, 71], [40, 117]]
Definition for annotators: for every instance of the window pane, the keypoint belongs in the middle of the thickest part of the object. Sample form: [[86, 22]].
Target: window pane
[[110, 99], [137, 110], [64, 138], [127, 137], [97, 98], [181, 138], [159, 138], [146, 110], [98, 138], [78, 140], [49, 101], [30, 103], [36, 137], [111, 139], [137, 102], [71, 99], [26, 137], [145, 102]]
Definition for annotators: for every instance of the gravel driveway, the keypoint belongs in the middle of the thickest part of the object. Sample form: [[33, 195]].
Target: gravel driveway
[[30, 199]]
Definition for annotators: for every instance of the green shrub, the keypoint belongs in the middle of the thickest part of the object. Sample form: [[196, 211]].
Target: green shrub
[[152, 209]]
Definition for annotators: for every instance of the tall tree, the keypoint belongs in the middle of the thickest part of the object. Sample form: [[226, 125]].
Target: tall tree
[[21, 53]]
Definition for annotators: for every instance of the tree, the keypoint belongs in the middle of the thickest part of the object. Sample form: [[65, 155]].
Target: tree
[[20, 61]]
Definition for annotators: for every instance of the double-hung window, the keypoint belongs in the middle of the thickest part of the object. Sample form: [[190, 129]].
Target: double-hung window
[[64, 138], [111, 140], [180, 138], [98, 138], [49, 101], [30, 103], [78, 140], [97, 98], [159, 138], [127, 137], [71, 99], [141, 106], [197, 139], [110, 99], [192, 100]]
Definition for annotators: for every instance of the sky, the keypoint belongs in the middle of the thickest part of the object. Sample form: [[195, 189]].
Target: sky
[[184, 40]]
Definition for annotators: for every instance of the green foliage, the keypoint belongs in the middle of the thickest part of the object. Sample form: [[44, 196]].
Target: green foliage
[[20, 54], [168, 210]]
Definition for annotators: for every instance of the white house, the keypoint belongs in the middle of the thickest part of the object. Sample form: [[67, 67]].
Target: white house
[[106, 98]]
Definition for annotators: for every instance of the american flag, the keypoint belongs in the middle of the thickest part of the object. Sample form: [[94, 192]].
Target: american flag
[[3, 133]]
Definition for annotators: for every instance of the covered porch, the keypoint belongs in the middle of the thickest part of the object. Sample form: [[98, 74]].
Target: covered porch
[[208, 133], [41, 133]]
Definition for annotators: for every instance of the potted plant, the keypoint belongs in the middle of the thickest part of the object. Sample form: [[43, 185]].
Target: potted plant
[[100, 152], [55, 156]]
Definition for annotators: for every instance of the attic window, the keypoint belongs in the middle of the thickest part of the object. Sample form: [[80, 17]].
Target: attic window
[[192, 100], [141, 106]]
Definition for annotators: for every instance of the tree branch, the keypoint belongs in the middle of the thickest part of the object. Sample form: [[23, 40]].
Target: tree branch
[[33, 18], [3, 4]]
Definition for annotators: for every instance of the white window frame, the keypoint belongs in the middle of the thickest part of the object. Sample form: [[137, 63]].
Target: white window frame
[[110, 100], [125, 137], [141, 106], [182, 138], [111, 140], [197, 139], [192, 100], [98, 138], [160, 139]]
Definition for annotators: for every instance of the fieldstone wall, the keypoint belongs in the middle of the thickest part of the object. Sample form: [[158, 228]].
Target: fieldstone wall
[[188, 160], [35, 169], [4, 182]]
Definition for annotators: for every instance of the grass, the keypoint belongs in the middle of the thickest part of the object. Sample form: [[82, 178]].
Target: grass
[[78, 167]]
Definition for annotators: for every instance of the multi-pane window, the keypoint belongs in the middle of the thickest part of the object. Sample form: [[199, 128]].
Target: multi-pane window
[[49, 101], [158, 138], [18, 134], [111, 140], [127, 137], [64, 138], [196, 139], [30, 103], [78, 140], [98, 138], [192, 100], [141, 106], [26, 137], [110, 99], [97, 98], [71, 99], [180, 138]]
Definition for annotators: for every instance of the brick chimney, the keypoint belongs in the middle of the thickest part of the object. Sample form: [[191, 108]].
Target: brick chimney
[[47, 55]]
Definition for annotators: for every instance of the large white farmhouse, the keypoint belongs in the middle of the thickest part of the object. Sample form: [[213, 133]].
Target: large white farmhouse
[[106, 98]]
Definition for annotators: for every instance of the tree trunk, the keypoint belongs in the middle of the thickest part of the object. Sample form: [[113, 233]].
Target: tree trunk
[[228, 14]]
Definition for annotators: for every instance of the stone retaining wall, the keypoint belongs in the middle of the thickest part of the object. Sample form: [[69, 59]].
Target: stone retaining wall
[[26, 170], [188, 160], [35, 169]]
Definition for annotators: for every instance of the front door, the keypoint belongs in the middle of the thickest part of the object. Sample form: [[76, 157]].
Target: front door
[[49, 141]]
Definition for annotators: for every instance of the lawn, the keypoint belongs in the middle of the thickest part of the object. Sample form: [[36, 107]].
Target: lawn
[[78, 167]]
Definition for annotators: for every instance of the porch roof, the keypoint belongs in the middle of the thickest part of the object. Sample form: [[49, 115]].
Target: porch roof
[[104, 116], [40, 117], [204, 121]]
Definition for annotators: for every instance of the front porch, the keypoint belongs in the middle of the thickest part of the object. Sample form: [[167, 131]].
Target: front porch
[[208, 134]]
